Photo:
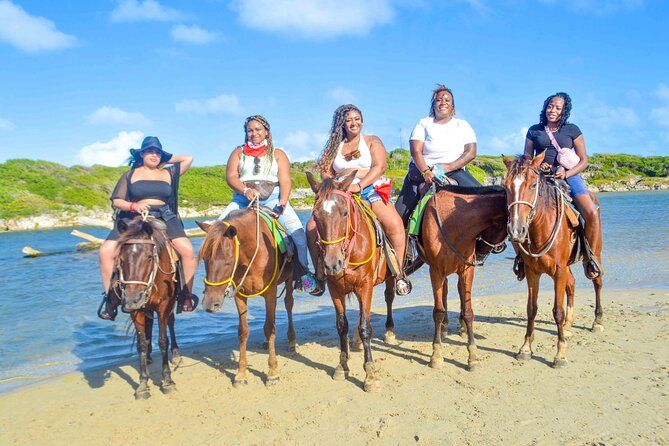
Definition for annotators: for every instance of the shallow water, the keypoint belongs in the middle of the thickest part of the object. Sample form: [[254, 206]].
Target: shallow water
[[48, 322]]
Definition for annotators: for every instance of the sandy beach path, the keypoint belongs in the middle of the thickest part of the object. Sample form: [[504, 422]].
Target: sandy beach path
[[615, 389]]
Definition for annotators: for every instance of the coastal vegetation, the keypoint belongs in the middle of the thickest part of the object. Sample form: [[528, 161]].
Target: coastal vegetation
[[32, 188]]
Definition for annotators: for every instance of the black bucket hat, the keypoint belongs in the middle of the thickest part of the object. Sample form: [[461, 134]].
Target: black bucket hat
[[150, 142]]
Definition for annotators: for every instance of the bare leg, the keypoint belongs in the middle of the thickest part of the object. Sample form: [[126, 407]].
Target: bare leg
[[106, 253], [187, 255], [593, 231]]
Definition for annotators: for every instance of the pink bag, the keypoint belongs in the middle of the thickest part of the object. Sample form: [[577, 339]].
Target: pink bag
[[566, 157]]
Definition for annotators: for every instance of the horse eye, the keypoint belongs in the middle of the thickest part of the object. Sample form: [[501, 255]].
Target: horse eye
[[533, 186], [345, 213]]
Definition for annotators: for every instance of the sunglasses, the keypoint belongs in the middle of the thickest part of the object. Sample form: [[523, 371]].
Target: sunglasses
[[353, 155], [256, 166]]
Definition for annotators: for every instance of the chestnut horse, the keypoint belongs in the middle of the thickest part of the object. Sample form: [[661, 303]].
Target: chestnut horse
[[352, 264], [455, 221], [147, 281], [242, 260], [547, 241]]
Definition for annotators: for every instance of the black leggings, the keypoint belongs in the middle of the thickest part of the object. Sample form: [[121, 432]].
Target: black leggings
[[409, 196]]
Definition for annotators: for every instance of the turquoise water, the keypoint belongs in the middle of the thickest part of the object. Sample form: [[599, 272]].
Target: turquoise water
[[48, 324]]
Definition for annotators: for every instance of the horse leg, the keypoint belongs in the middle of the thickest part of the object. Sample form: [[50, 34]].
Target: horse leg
[[176, 352], [560, 281], [149, 335], [167, 386], [243, 334], [439, 287], [465, 280], [372, 382], [598, 324], [341, 371], [357, 341], [270, 335], [289, 301], [142, 391], [569, 316], [389, 294], [444, 301], [525, 352]]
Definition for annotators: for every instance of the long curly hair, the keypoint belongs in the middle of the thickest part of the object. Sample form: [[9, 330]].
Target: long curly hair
[[566, 111], [435, 92], [268, 157], [324, 162]]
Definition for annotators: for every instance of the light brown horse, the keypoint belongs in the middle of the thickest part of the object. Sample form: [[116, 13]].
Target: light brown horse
[[353, 264], [242, 260], [456, 220], [147, 282], [547, 240]]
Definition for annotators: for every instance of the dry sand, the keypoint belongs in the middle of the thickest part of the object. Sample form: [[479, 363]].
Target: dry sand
[[615, 389]]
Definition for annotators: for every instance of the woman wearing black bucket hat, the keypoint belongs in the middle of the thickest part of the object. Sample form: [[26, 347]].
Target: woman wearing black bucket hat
[[149, 187]]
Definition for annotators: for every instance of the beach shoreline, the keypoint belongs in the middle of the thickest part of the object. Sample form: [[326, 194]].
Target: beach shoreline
[[614, 391]]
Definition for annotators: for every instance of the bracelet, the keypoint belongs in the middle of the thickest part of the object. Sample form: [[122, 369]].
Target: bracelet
[[360, 186], [426, 171], [132, 206]]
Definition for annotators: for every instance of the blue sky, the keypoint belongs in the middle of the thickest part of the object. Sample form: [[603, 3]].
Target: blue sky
[[83, 81]]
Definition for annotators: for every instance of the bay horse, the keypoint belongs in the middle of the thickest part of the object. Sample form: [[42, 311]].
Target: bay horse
[[242, 260], [547, 240], [352, 264], [458, 222], [147, 282]]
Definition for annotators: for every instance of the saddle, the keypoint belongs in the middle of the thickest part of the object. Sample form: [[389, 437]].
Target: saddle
[[581, 248]]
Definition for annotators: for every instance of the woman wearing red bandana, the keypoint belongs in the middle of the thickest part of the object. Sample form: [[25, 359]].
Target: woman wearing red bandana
[[258, 170]]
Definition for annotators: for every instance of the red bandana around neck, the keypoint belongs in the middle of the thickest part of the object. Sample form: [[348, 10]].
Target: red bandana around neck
[[251, 150]]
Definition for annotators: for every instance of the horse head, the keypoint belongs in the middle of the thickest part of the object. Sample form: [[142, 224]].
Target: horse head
[[335, 220], [220, 252], [522, 184], [139, 246]]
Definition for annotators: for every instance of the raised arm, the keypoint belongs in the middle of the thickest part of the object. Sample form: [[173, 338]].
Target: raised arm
[[183, 160]]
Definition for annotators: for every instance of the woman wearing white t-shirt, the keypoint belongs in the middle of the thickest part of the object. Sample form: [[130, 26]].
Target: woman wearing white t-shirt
[[438, 139]]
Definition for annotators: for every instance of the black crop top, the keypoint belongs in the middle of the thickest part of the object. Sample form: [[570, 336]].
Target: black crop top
[[565, 138], [155, 189]]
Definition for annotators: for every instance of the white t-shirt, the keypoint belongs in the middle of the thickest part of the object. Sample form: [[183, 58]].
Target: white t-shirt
[[443, 143]]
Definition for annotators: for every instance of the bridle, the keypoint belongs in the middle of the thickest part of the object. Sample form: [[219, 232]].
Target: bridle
[[152, 277], [533, 213]]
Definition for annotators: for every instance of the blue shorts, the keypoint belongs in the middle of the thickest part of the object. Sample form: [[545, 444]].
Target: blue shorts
[[577, 186], [370, 194]]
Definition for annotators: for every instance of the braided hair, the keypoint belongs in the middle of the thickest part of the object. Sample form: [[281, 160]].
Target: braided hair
[[269, 152], [329, 153], [435, 92], [566, 110]]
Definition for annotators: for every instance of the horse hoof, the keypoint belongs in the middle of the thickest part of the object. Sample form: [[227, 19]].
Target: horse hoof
[[474, 365], [340, 375], [272, 380], [559, 363], [390, 338], [240, 382], [372, 385], [142, 394], [437, 363], [292, 347], [524, 356], [168, 388], [597, 328]]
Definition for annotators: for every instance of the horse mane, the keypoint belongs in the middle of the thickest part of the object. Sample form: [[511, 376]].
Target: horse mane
[[215, 236], [521, 162], [136, 230], [475, 190], [327, 187]]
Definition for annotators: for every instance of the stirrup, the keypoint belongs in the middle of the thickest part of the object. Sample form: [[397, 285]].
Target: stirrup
[[104, 311], [519, 268], [184, 296], [592, 269], [402, 286]]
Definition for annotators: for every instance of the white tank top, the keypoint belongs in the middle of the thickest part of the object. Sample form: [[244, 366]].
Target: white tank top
[[364, 162], [267, 172]]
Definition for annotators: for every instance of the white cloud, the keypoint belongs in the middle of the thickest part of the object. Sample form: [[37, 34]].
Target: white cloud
[[6, 124], [661, 116], [325, 18], [604, 116], [305, 145], [110, 153], [662, 92], [114, 115], [192, 34], [30, 33], [135, 11], [508, 144], [342, 95], [220, 104]]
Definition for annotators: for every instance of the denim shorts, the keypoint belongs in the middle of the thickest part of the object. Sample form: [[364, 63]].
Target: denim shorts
[[370, 194], [577, 186]]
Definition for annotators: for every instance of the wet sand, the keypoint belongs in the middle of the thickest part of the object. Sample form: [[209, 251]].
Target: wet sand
[[615, 389]]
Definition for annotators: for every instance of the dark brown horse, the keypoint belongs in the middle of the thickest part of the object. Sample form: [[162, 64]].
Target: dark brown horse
[[242, 260], [353, 264], [147, 281], [456, 220], [547, 239]]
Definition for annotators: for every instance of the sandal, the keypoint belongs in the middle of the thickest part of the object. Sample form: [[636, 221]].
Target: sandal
[[592, 269], [187, 301], [106, 311], [402, 286], [519, 268]]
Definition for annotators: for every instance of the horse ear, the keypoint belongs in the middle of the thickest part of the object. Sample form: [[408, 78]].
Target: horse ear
[[346, 182], [147, 227], [315, 185], [204, 226], [231, 232], [536, 162], [507, 161]]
